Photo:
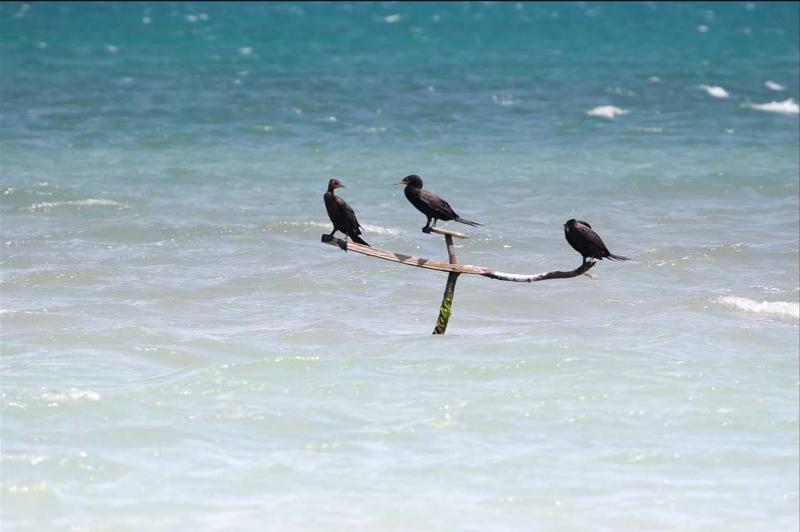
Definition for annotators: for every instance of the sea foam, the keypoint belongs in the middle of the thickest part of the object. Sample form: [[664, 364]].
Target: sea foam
[[777, 308], [73, 394], [378, 230], [715, 91], [607, 111], [91, 202], [788, 107], [368, 228], [771, 85]]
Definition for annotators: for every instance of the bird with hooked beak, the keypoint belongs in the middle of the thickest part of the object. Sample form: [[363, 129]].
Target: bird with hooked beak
[[585, 241], [432, 206], [341, 214]]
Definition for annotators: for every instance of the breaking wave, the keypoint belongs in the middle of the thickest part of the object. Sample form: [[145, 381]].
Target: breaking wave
[[378, 230], [607, 111], [777, 308], [368, 228], [73, 394], [715, 91], [787, 107], [91, 202]]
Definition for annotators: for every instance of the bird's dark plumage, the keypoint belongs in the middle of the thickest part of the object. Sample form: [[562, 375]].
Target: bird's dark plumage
[[429, 204], [341, 214], [585, 241]]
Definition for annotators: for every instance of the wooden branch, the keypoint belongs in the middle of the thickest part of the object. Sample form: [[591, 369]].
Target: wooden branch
[[518, 278], [445, 232], [408, 260]]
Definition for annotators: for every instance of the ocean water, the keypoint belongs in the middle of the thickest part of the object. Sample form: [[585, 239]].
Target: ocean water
[[180, 352]]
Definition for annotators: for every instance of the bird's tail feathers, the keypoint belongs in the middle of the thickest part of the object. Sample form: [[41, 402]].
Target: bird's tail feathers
[[617, 257], [358, 240], [468, 222]]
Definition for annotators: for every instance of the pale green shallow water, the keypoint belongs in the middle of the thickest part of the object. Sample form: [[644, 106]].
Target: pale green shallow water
[[180, 352]]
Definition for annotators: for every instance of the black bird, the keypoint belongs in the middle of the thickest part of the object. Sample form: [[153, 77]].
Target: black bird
[[585, 241], [429, 204], [341, 214]]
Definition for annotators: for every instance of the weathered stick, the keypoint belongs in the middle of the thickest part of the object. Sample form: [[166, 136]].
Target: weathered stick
[[519, 278], [455, 268], [445, 232], [402, 259]]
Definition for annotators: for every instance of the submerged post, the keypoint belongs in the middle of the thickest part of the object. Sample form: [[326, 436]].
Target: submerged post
[[449, 290]]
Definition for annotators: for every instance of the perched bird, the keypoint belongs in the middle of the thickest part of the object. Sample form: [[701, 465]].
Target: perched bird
[[585, 241], [341, 214], [429, 204]]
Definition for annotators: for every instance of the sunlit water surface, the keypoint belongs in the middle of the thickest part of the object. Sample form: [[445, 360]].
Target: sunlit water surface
[[179, 351]]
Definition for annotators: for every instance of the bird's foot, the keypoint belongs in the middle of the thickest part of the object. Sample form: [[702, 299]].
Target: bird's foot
[[426, 229]]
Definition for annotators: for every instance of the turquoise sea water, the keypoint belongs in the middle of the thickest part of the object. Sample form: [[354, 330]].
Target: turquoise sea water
[[179, 351]]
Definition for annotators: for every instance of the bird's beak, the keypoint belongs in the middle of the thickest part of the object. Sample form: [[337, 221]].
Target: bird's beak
[[341, 186], [399, 183]]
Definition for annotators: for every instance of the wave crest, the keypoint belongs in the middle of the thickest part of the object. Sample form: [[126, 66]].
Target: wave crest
[[776, 308], [91, 202], [715, 91], [787, 107], [607, 111], [368, 228], [73, 394]]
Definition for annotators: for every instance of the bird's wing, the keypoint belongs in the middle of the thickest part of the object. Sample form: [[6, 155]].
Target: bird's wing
[[428, 197], [349, 214], [584, 223], [592, 239], [446, 207], [439, 206]]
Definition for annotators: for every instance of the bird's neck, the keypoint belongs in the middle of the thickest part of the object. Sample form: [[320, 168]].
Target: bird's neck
[[330, 191]]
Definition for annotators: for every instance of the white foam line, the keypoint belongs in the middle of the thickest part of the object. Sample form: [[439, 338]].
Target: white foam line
[[779, 308], [302, 224], [715, 91], [787, 107], [607, 111], [368, 228], [377, 229], [73, 394], [91, 202]]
